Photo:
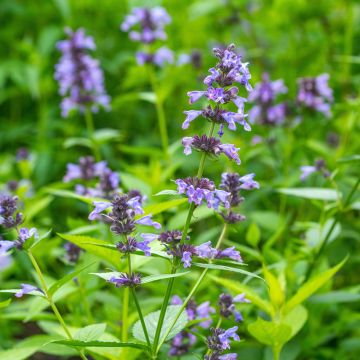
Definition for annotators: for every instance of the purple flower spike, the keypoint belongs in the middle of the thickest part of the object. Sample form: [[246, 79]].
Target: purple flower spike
[[80, 77], [126, 280], [26, 289], [147, 221], [100, 206]]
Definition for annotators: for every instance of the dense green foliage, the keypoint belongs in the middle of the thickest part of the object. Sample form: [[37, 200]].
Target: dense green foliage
[[291, 226]]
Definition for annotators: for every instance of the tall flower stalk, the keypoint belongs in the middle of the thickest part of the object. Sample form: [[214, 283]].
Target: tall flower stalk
[[220, 91], [81, 80]]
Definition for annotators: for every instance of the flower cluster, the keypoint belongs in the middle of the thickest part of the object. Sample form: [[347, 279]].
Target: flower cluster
[[10, 218], [211, 146], [227, 305], [80, 77], [122, 219], [266, 111], [203, 190], [182, 342], [219, 341], [314, 93], [319, 167], [27, 289], [232, 183], [172, 242], [149, 25], [221, 90], [86, 170]]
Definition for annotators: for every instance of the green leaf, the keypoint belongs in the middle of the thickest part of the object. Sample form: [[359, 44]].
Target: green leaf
[[253, 234], [225, 268], [163, 206], [238, 288], [167, 192], [296, 319], [152, 319], [58, 284], [77, 141], [152, 278], [70, 195], [90, 333], [148, 96], [312, 286], [4, 304], [85, 243], [276, 293], [349, 159], [311, 193], [270, 333], [37, 206], [105, 135], [115, 344], [334, 297]]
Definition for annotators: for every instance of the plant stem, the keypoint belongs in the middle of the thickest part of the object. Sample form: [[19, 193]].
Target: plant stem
[[91, 133], [125, 313], [160, 112], [138, 308], [328, 235], [174, 268], [195, 287], [51, 302]]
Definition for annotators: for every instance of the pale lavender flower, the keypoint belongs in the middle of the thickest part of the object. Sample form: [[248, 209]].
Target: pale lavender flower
[[150, 21], [6, 246], [227, 335], [126, 280], [147, 221], [266, 111], [306, 171], [318, 167], [27, 289], [81, 80], [315, 93]]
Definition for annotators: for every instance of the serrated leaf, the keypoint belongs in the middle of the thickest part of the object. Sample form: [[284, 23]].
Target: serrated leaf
[[311, 193], [226, 268], [90, 332], [311, 286], [152, 319], [58, 284]]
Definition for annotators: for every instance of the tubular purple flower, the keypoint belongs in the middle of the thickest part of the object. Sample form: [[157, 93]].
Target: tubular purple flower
[[190, 116], [229, 333], [187, 141], [26, 289], [25, 233], [186, 259], [163, 56], [231, 356], [194, 96], [248, 183], [241, 299], [100, 206], [147, 221], [5, 246], [231, 152]]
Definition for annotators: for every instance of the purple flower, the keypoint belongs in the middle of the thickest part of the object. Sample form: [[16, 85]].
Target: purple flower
[[190, 116], [231, 152], [241, 299], [147, 221], [205, 250], [319, 167], [100, 206], [126, 280], [231, 356], [27, 289], [266, 111], [25, 233], [163, 56], [5, 246], [5, 261], [228, 334], [80, 77], [186, 259], [248, 182], [227, 306], [9, 217], [193, 97], [150, 21], [230, 253], [315, 93], [306, 171]]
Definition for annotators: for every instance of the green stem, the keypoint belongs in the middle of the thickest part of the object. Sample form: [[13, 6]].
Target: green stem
[[160, 112], [276, 350], [125, 315], [195, 287], [91, 133], [51, 302], [138, 308], [328, 234], [174, 268]]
